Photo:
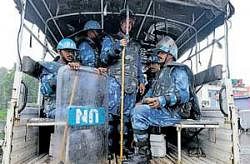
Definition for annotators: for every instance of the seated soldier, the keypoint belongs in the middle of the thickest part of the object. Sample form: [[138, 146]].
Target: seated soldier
[[163, 102], [152, 68], [66, 49]]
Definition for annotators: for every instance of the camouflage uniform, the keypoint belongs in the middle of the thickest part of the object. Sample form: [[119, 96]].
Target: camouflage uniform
[[89, 53], [48, 79], [89, 56], [172, 87], [133, 72], [133, 77]]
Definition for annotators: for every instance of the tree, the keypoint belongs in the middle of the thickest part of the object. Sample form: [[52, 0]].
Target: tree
[[7, 79]]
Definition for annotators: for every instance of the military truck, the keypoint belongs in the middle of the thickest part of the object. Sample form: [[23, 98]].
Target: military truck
[[32, 139]]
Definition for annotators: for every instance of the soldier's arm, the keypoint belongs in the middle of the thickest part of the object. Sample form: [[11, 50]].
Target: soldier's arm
[[48, 83], [86, 55], [110, 49]]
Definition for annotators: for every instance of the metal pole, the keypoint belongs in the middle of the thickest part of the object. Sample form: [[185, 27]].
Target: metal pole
[[74, 14], [102, 14], [179, 143], [143, 21], [233, 112], [226, 50], [124, 4]]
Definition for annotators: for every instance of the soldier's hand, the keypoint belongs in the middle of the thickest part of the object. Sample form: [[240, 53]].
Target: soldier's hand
[[141, 88], [152, 102], [102, 70], [74, 65], [123, 42]]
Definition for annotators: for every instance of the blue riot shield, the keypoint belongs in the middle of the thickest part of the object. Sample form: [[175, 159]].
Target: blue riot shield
[[81, 131]]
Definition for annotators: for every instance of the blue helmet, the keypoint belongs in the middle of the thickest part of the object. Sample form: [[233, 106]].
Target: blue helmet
[[153, 59], [167, 45], [66, 43], [123, 14], [92, 25]]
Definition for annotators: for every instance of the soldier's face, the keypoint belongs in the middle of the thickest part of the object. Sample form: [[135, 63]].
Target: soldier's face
[[67, 55], [92, 34], [162, 56], [154, 67], [165, 57], [124, 25]]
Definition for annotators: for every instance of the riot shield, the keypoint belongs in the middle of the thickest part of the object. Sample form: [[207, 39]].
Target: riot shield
[[81, 131]]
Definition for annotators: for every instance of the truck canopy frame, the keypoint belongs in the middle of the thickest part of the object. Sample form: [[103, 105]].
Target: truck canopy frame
[[186, 21]]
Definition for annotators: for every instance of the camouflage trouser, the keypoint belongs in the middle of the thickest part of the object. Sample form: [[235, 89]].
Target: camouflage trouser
[[114, 115], [49, 107], [114, 94], [142, 117]]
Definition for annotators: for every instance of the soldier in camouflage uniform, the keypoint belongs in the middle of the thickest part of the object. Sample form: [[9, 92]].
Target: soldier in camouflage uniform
[[89, 54], [134, 78], [97, 52], [66, 48], [152, 68], [161, 107]]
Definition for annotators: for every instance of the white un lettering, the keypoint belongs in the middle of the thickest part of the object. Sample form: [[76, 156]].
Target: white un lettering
[[87, 116]]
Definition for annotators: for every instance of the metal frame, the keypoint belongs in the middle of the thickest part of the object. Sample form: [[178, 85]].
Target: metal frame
[[144, 18], [201, 50], [51, 52], [173, 21], [232, 110], [46, 26], [13, 111], [72, 14], [180, 126], [197, 32], [102, 17], [192, 24], [142, 15], [46, 6]]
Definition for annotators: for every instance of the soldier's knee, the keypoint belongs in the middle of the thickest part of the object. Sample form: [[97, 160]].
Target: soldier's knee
[[140, 110]]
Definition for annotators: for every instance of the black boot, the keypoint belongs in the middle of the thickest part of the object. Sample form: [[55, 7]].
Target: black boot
[[142, 154], [128, 140]]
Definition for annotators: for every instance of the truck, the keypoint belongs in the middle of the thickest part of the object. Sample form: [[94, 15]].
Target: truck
[[29, 138]]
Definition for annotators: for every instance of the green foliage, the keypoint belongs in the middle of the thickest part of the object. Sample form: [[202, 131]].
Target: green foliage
[[3, 114], [6, 84], [6, 78]]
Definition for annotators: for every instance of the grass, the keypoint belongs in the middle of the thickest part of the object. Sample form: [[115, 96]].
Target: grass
[[3, 114]]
